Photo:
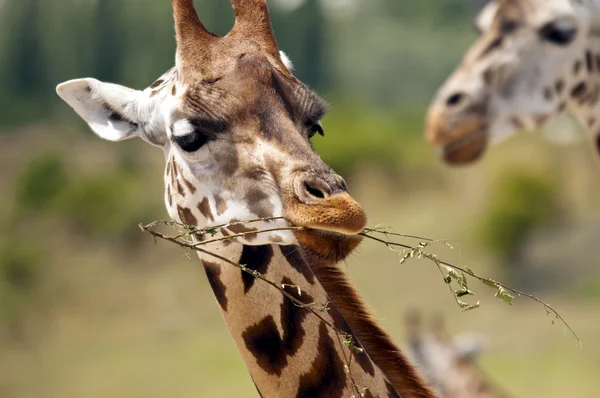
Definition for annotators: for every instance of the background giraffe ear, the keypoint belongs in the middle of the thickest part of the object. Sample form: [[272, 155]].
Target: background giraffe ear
[[109, 109], [486, 17]]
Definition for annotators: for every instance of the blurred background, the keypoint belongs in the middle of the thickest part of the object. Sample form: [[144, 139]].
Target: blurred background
[[91, 307]]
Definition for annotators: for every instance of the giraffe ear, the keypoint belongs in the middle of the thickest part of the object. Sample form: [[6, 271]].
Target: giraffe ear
[[109, 109], [486, 17]]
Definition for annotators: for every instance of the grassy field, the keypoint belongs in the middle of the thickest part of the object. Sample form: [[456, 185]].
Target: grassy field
[[113, 318]]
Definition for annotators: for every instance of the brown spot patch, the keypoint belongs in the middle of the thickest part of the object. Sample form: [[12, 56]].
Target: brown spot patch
[[548, 94], [188, 185], [174, 177], [259, 203], [169, 196], [174, 90], [294, 258], [559, 86], [221, 205], [213, 272], [598, 143], [591, 121], [577, 67], [242, 229], [264, 343], [579, 90], [326, 377], [168, 170], [589, 61], [255, 258], [204, 208], [186, 216], [488, 77], [292, 317]]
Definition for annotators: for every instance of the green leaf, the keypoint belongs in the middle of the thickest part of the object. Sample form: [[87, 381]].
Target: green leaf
[[490, 283], [505, 296], [463, 293], [468, 307]]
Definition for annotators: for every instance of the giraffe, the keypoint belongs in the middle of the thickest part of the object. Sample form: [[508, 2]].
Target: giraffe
[[235, 127], [534, 59], [449, 363]]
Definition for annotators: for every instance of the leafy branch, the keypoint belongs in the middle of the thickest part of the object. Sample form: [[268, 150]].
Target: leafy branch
[[455, 277], [455, 273]]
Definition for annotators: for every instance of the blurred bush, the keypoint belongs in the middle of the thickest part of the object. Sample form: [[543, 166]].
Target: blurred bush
[[20, 272], [103, 206], [108, 204], [40, 182], [520, 202]]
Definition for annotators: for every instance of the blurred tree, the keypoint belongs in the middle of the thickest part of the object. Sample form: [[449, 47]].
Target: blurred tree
[[24, 74], [40, 183], [108, 33], [302, 34], [521, 202]]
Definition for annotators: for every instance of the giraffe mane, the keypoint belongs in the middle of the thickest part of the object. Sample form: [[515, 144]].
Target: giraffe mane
[[376, 341]]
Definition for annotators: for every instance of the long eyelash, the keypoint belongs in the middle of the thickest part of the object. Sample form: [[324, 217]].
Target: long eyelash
[[312, 106], [192, 142]]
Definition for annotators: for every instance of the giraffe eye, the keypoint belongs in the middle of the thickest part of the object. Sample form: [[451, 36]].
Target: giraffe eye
[[192, 142], [316, 128], [559, 32]]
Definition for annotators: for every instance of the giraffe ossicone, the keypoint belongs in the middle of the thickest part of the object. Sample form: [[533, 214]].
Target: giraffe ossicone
[[235, 127], [533, 60]]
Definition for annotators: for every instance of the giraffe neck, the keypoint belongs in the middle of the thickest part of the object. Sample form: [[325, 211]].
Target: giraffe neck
[[452, 374], [289, 351]]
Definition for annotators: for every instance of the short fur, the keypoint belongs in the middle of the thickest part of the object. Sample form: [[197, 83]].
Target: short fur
[[374, 339]]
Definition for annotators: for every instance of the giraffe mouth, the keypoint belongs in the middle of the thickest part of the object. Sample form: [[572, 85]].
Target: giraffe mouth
[[465, 150], [467, 145], [338, 213], [326, 247], [461, 140], [331, 225]]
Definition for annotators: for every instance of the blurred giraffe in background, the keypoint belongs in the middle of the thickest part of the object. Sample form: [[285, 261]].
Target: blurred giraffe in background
[[449, 363], [235, 127], [533, 60]]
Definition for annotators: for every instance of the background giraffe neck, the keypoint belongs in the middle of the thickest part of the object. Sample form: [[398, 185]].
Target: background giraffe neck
[[582, 83], [288, 350]]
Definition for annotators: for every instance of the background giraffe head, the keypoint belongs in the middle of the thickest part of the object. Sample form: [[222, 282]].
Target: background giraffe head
[[522, 69], [235, 126]]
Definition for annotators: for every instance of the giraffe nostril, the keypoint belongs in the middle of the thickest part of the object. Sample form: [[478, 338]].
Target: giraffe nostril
[[315, 192], [455, 99]]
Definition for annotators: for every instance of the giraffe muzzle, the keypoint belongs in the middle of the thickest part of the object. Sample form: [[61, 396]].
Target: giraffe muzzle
[[461, 141], [325, 205]]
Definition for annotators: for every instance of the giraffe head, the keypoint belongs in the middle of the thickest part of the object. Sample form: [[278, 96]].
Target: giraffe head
[[236, 127], [520, 71]]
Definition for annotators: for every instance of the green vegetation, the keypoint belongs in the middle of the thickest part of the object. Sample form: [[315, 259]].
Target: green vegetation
[[521, 202]]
